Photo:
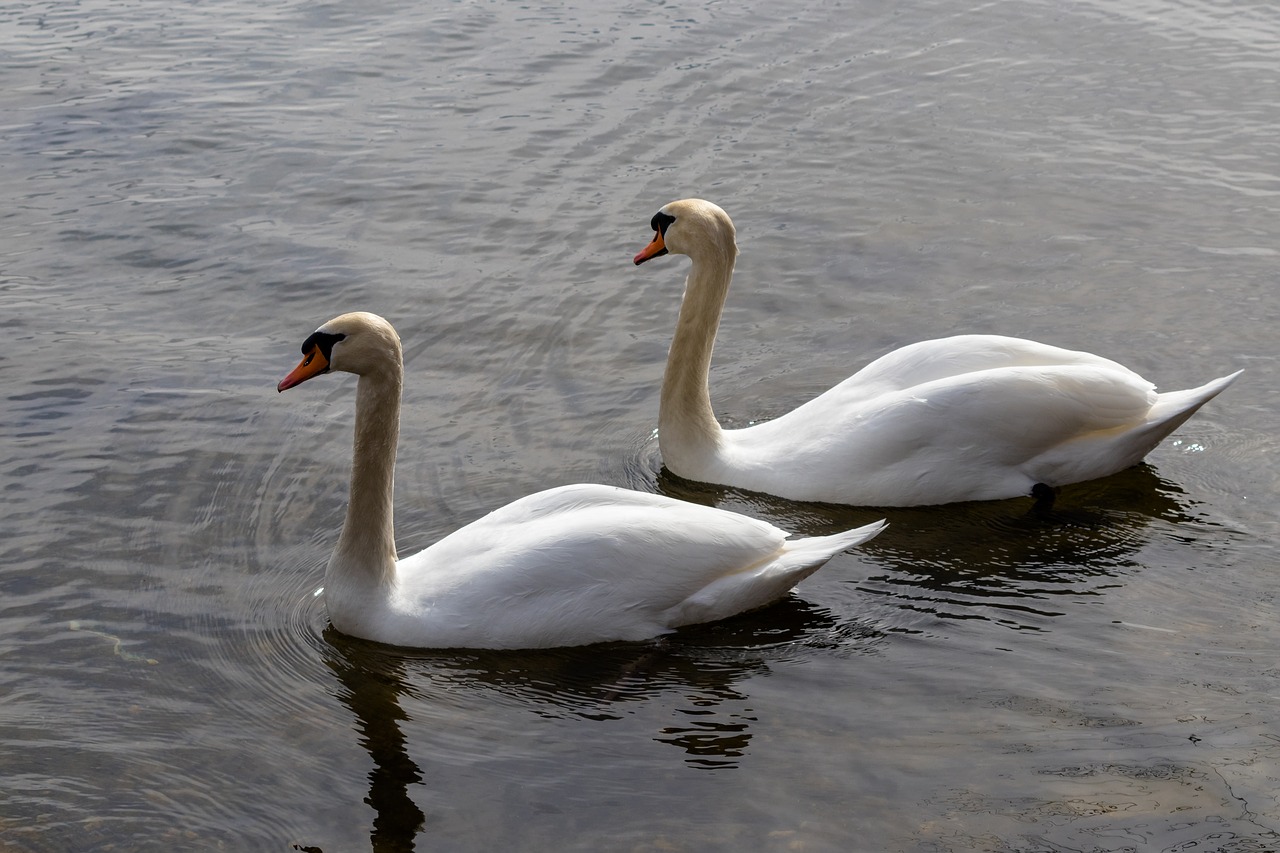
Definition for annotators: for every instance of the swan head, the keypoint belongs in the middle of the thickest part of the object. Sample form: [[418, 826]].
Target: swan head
[[359, 343], [691, 226]]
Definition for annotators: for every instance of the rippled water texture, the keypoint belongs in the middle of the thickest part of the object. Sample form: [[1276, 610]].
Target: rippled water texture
[[190, 189]]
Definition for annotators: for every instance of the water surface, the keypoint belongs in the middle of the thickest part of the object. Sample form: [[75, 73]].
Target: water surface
[[191, 189]]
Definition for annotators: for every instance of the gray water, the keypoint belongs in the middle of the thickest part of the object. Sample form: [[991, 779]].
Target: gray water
[[190, 189]]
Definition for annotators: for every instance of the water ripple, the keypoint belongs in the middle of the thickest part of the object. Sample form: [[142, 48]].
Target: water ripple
[[191, 189]]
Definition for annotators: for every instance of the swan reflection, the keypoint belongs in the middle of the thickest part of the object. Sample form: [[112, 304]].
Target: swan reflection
[[690, 680], [371, 687], [1002, 561]]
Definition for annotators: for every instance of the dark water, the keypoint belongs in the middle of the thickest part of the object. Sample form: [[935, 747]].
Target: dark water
[[190, 189]]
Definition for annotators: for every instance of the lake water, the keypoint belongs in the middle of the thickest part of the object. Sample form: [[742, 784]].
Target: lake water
[[190, 189]]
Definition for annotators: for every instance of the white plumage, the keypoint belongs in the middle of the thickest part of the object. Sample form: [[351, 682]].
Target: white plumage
[[970, 417], [567, 566]]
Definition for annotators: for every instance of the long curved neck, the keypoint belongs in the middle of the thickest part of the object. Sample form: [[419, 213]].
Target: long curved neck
[[366, 550], [687, 426]]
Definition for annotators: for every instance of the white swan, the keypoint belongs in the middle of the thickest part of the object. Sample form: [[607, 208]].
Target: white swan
[[972, 417], [567, 566]]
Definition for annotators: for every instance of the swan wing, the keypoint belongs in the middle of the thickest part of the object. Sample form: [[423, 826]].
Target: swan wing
[[967, 436], [588, 563], [953, 357]]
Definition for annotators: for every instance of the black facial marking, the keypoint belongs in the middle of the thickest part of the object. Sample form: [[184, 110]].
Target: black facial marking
[[322, 341], [661, 222]]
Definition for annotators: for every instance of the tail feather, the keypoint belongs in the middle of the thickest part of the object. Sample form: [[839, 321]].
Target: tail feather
[[803, 556], [769, 581], [1105, 453], [822, 548], [1172, 408]]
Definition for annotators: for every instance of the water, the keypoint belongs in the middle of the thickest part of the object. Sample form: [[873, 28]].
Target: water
[[190, 189]]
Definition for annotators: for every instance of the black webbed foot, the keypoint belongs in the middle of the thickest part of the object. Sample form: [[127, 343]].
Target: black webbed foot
[[1044, 496]]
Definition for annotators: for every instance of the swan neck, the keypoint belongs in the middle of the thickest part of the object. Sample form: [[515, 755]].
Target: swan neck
[[687, 425], [366, 550]]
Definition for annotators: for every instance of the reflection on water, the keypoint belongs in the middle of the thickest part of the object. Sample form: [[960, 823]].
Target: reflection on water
[[1003, 561], [694, 671], [186, 183], [371, 687], [1006, 562]]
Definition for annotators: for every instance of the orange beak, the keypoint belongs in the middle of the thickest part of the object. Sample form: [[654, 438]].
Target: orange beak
[[655, 248], [313, 364]]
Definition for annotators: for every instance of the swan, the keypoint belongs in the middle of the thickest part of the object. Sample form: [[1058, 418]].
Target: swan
[[970, 417], [567, 566]]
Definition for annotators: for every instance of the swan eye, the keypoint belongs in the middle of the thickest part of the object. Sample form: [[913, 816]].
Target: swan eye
[[661, 222]]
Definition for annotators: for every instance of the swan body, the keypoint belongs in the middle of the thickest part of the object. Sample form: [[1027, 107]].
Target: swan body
[[567, 566], [970, 417]]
